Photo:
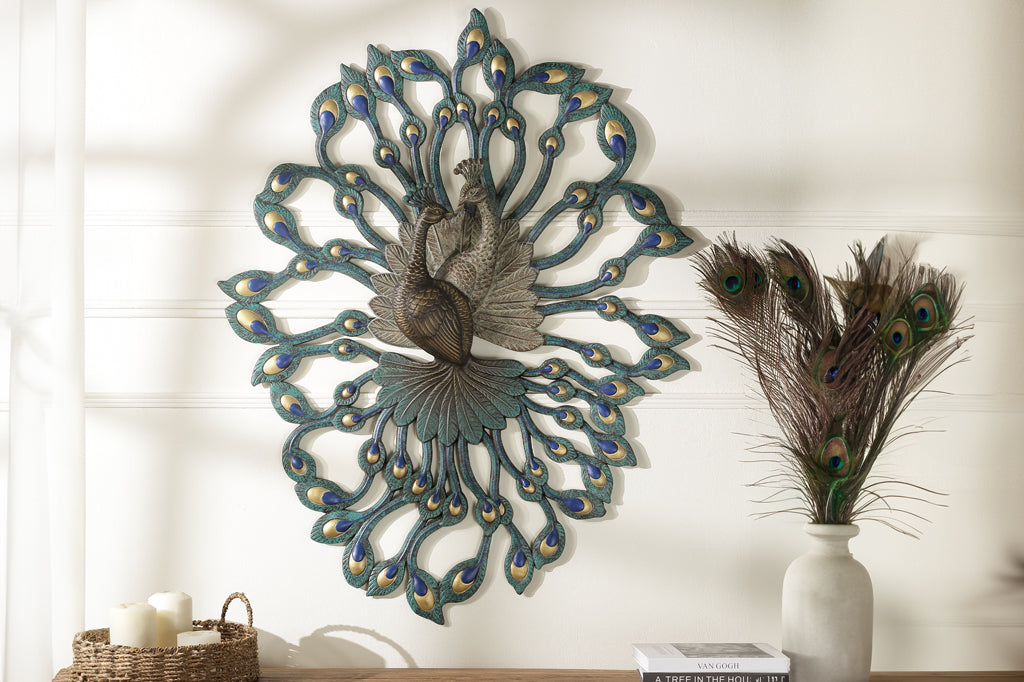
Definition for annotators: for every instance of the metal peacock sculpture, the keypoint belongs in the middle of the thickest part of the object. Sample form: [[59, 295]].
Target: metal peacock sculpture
[[457, 435]]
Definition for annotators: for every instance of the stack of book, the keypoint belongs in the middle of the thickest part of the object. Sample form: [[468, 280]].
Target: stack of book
[[713, 662]]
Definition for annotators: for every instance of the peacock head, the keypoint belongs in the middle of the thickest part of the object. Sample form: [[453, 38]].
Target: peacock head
[[433, 213], [473, 192], [423, 200]]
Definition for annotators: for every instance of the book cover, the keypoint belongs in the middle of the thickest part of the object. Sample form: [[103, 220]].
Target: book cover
[[711, 657], [712, 677]]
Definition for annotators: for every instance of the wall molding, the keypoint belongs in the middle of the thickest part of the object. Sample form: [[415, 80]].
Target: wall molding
[[679, 309], [977, 225], [709, 222], [973, 224], [260, 399]]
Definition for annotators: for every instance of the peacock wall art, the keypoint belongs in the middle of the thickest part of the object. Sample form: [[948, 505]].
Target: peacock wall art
[[466, 401]]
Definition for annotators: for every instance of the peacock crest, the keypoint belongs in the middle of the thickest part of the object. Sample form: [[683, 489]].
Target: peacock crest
[[470, 408]]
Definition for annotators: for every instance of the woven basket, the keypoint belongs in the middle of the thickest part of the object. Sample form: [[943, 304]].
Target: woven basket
[[233, 660]]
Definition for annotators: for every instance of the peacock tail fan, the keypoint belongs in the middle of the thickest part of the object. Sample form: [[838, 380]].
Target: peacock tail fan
[[447, 401]]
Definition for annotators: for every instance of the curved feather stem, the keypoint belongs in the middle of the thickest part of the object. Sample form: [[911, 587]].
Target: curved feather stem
[[465, 469], [538, 188], [514, 176], [566, 252]]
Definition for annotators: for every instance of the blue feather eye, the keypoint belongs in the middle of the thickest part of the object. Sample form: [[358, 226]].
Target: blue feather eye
[[830, 374], [827, 368], [732, 280], [897, 337], [926, 312], [793, 279], [835, 456]]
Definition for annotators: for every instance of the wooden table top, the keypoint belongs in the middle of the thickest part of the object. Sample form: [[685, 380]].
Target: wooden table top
[[537, 675], [528, 675]]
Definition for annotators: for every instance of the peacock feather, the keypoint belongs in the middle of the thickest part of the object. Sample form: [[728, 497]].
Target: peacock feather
[[838, 361], [454, 251]]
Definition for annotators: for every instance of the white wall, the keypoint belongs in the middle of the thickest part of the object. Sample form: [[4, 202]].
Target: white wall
[[823, 123]]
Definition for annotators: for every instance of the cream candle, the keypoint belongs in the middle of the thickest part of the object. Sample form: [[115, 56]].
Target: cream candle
[[198, 637], [173, 615], [133, 625]]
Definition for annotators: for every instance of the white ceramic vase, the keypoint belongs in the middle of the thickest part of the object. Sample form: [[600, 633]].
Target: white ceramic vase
[[827, 604]]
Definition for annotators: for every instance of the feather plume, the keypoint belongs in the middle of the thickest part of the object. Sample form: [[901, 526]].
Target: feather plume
[[838, 360], [421, 195]]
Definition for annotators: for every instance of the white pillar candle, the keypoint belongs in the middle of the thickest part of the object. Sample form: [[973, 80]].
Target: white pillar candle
[[198, 637], [133, 625], [173, 615]]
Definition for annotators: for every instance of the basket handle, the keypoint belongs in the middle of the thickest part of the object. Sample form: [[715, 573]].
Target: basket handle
[[232, 597]]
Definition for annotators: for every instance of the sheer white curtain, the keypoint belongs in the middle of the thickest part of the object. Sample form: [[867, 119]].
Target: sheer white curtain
[[43, 469]]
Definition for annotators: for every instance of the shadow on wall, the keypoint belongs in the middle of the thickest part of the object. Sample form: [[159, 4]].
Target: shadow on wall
[[1009, 593], [322, 650]]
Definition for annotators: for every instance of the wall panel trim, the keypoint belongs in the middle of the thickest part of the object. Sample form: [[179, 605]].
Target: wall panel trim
[[980, 224], [680, 309], [934, 403]]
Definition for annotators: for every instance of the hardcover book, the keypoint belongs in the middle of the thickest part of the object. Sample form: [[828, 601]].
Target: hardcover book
[[717, 657], [713, 677]]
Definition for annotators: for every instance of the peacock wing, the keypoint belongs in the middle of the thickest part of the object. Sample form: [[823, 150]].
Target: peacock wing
[[511, 253], [507, 315], [452, 237], [384, 326], [509, 332], [449, 238], [397, 255], [385, 283], [461, 272], [435, 250], [397, 258], [439, 325], [405, 230], [388, 332]]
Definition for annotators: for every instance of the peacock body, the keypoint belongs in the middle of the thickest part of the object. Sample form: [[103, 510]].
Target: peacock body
[[432, 313], [459, 435]]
